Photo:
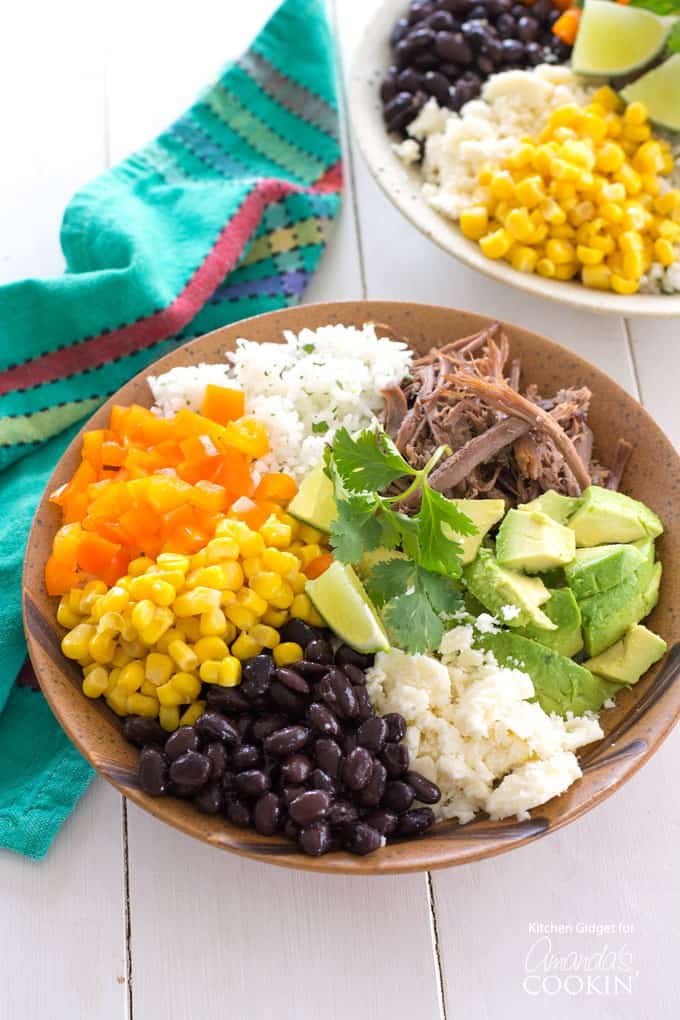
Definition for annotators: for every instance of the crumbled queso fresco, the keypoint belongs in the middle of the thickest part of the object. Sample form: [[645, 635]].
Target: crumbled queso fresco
[[473, 730]]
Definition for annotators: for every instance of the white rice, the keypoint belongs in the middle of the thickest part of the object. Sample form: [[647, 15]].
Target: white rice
[[303, 390]]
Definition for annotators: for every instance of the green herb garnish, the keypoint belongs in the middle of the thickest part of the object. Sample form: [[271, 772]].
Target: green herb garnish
[[415, 591]]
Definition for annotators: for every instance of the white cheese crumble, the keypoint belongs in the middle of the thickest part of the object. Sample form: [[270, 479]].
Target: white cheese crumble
[[472, 729], [510, 612]]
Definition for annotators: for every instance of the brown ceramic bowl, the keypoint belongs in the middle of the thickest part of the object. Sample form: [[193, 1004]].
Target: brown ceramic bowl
[[642, 718]]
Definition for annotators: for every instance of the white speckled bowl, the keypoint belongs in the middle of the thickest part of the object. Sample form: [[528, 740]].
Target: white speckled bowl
[[401, 184]]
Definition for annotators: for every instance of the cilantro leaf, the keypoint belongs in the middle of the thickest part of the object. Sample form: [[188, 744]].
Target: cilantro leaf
[[657, 6], [443, 595], [369, 461], [400, 528], [413, 624], [388, 579], [438, 552], [319, 428], [356, 529]]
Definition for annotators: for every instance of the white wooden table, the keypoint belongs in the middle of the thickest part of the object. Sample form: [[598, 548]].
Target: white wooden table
[[127, 918]]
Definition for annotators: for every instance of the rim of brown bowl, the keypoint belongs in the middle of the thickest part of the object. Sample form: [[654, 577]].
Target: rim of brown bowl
[[402, 185], [634, 729]]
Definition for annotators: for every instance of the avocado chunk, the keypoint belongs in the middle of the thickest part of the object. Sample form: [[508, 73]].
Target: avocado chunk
[[561, 685], [531, 541], [564, 612], [605, 516], [600, 568], [607, 616], [483, 513], [496, 587], [631, 657], [555, 505]]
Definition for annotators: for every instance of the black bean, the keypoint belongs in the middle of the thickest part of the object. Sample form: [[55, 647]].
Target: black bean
[[362, 839], [252, 783], [215, 726], [396, 726], [495, 8], [289, 678], [365, 708], [217, 756], [309, 807], [408, 80], [209, 800], [373, 734], [385, 822], [257, 673], [534, 53], [320, 780], [398, 796], [313, 670], [419, 9], [348, 741], [140, 731], [388, 87], [518, 11], [296, 769], [328, 755], [286, 740], [267, 814], [435, 84], [400, 29], [373, 792], [243, 725], [357, 768], [354, 674], [506, 25], [191, 769], [421, 38], [238, 812], [266, 724], [456, 6], [425, 791], [185, 738], [228, 781], [185, 790], [315, 840], [403, 53], [341, 813], [485, 64], [542, 9], [396, 759], [494, 51], [528, 29], [297, 631], [290, 702], [247, 756], [227, 699], [322, 720], [475, 33], [153, 771], [452, 46], [513, 51], [291, 793], [561, 49], [345, 655], [320, 650], [340, 694], [290, 829], [414, 823]]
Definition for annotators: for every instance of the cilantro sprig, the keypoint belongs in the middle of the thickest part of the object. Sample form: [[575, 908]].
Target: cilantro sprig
[[414, 590]]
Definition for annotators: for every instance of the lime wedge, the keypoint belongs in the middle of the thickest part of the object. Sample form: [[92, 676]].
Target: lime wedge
[[659, 90], [614, 39], [340, 597], [314, 503]]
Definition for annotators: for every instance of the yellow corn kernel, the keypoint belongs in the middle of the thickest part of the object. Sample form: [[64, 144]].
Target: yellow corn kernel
[[608, 98], [210, 648], [219, 549], [563, 231], [249, 599], [522, 156], [162, 591], [275, 617], [121, 658], [141, 588], [198, 560], [310, 535], [251, 566], [267, 584], [293, 523], [139, 566], [206, 577], [597, 277], [496, 245], [149, 689], [113, 680], [664, 251], [474, 222], [502, 186], [230, 672], [629, 178], [287, 652], [649, 158], [579, 153], [297, 581], [161, 623], [604, 244], [173, 561], [486, 173], [316, 619], [301, 607], [96, 609], [519, 225], [91, 593], [227, 597], [170, 635], [251, 543], [65, 615], [135, 649], [624, 286], [245, 647], [215, 624], [559, 251], [143, 613], [187, 684], [168, 717], [588, 256], [283, 598], [545, 267], [210, 671], [169, 696], [275, 533], [200, 600], [564, 116], [113, 622], [668, 202], [524, 259], [582, 213], [278, 561], [96, 682], [264, 635], [74, 597], [630, 241], [131, 677], [637, 133], [552, 212], [243, 618], [611, 212], [593, 125], [117, 701], [190, 629], [74, 645], [142, 704], [184, 656], [633, 265], [669, 230], [158, 668], [102, 647], [610, 157], [192, 713], [309, 553]]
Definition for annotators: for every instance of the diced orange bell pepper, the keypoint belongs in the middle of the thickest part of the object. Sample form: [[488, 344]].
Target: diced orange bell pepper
[[318, 566], [209, 496], [223, 404], [59, 577], [257, 515], [113, 454], [566, 26], [92, 447], [276, 486], [98, 556], [246, 435]]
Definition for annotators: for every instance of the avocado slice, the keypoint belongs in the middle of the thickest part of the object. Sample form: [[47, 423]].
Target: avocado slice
[[601, 567], [606, 516], [496, 587], [561, 685], [554, 504], [564, 612], [631, 657], [530, 540], [483, 513], [607, 616]]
